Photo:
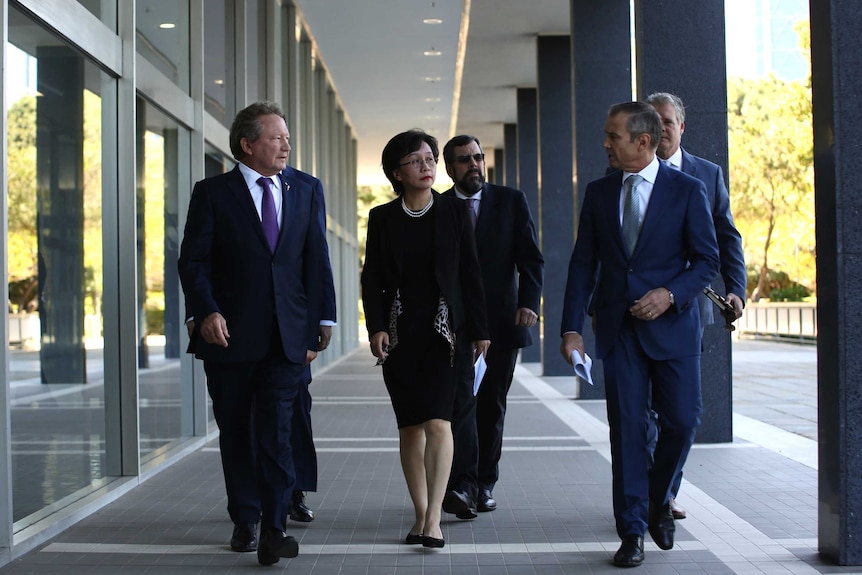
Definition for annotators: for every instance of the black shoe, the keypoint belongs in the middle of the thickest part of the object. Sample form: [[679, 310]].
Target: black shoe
[[298, 510], [414, 539], [433, 542], [631, 552], [459, 504], [661, 527], [244, 538], [486, 502], [275, 545]]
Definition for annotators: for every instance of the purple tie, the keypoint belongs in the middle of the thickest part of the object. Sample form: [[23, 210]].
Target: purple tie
[[473, 207], [268, 217]]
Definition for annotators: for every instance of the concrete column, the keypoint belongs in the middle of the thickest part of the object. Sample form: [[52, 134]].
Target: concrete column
[[499, 167], [601, 60], [525, 152], [510, 149], [60, 197], [695, 70], [835, 40], [556, 191]]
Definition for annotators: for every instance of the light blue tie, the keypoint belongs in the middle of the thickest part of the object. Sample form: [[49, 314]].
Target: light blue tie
[[631, 213]]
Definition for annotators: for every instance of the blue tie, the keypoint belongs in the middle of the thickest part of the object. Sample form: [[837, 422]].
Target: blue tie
[[268, 217]]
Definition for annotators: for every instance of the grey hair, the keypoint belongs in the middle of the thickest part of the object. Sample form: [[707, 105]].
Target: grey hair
[[662, 98], [247, 125]]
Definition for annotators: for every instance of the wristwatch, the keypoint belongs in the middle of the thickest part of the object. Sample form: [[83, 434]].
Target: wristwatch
[[670, 297]]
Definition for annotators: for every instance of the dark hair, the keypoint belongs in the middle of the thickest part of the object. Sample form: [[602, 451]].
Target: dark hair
[[401, 145], [642, 119], [457, 142], [662, 98], [247, 125]]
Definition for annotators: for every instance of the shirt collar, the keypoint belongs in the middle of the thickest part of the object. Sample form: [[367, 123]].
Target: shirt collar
[[649, 173]]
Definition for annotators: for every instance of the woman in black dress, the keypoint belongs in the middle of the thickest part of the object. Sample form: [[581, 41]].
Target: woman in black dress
[[422, 294]]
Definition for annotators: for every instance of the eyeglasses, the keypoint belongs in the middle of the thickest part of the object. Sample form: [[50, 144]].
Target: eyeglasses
[[480, 157], [417, 162]]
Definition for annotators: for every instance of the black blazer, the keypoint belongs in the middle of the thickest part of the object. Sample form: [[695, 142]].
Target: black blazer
[[511, 262], [226, 266], [456, 266]]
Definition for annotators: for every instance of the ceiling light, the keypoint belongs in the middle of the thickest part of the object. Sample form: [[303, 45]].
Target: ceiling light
[[433, 78], [432, 52], [218, 82], [432, 21], [432, 99], [167, 25]]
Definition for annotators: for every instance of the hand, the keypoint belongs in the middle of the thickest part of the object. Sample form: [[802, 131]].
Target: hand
[[310, 356], [325, 334], [653, 303], [526, 317], [480, 347], [738, 304], [572, 341], [214, 329], [380, 345]]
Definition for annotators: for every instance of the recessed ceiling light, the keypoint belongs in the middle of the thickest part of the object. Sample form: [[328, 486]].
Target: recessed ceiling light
[[432, 52], [432, 99], [218, 82], [167, 25], [433, 78], [432, 21]]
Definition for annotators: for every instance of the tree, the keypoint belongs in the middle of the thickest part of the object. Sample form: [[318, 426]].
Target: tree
[[772, 176]]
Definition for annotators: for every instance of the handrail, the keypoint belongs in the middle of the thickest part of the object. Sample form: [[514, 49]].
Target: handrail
[[792, 321]]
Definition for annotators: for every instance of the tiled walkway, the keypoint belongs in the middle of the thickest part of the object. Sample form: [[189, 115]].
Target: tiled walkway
[[752, 504]]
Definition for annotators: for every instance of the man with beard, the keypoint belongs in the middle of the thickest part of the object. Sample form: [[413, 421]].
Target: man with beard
[[512, 272]]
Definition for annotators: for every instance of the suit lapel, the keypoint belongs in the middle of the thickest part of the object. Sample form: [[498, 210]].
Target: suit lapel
[[661, 197], [611, 209]]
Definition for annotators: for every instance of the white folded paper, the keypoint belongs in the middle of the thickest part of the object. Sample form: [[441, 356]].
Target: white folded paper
[[583, 367], [478, 373]]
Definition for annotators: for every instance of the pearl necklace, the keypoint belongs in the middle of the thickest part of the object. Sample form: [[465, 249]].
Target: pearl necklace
[[419, 213]]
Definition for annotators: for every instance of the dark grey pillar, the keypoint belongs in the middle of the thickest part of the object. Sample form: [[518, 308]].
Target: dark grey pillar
[[836, 87], [526, 179], [60, 223], [173, 313], [601, 59], [556, 193], [695, 70], [510, 150], [499, 166]]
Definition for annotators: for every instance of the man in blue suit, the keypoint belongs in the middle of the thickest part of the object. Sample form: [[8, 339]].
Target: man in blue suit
[[253, 268], [645, 249], [732, 260]]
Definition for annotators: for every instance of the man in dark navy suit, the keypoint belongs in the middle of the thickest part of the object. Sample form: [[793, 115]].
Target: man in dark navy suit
[[732, 260], [645, 249], [253, 267], [512, 273]]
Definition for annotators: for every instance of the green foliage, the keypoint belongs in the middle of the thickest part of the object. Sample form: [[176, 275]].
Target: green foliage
[[777, 287], [367, 198]]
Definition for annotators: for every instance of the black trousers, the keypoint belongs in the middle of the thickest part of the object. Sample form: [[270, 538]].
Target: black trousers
[[253, 407]]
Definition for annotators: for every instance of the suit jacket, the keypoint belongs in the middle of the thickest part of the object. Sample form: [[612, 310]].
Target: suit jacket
[[226, 266], [732, 264], [676, 249], [456, 266], [511, 262]]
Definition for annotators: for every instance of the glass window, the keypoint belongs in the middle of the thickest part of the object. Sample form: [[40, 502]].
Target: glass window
[[104, 10], [256, 51], [219, 83], [159, 141], [163, 37], [54, 268]]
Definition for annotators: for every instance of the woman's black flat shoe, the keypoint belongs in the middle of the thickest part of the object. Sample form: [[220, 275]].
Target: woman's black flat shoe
[[433, 542], [412, 539]]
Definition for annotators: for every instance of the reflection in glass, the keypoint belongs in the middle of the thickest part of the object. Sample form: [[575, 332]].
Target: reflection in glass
[[54, 268], [158, 144], [218, 63], [163, 37], [256, 51]]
